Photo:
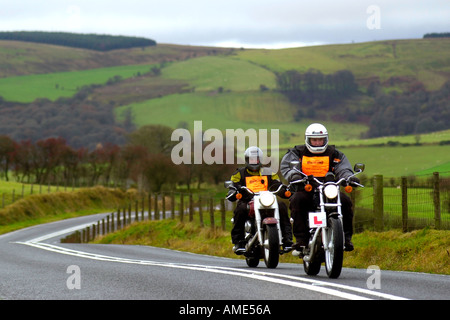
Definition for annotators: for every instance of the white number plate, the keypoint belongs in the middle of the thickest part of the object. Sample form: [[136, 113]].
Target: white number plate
[[317, 219]]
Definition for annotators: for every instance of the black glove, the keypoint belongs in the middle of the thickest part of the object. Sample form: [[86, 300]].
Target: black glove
[[231, 195], [282, 191], [295, 177], [353, 180]]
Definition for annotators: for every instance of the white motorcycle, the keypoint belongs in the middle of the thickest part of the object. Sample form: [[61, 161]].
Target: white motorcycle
[[326, 242], [262, 227]]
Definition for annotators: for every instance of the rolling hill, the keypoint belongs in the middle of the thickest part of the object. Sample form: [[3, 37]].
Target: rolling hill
[[225, 88]]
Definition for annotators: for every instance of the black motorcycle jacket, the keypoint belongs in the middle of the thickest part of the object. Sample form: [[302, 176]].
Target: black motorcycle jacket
[[331, 160]]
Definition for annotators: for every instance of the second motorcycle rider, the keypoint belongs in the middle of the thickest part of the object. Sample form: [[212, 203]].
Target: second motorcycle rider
[[256, 178]]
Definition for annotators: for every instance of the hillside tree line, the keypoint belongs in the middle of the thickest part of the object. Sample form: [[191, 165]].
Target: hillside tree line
[[437, 35], [99, 42], [414, 110], [80, 121], [313, 90], [306, 88]]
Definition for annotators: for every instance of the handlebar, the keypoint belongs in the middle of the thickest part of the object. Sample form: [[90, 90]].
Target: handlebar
[[232, 187], [339, 182]]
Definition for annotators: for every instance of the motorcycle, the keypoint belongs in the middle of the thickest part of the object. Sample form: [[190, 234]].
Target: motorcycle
[[262, 227], [326, 243]]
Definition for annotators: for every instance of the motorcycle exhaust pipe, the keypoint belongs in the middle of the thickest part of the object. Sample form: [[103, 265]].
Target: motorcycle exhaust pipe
[[251, 242]]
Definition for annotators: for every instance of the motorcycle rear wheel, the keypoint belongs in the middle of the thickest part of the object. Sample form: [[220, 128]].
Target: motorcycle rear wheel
[[334, 256], [271, 246], [252, 262]]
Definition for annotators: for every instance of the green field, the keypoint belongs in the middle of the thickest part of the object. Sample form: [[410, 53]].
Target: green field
[[232, 110], [211, 72], [62, 84], [420, 203], [400, 161], [25, 58], [428, 60], [226, 110]]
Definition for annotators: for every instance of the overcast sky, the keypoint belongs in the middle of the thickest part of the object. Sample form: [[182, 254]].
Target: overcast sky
[[238, 23]]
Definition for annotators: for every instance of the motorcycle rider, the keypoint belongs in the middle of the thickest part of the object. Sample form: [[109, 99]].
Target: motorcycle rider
[[256, 178], [316, 158]]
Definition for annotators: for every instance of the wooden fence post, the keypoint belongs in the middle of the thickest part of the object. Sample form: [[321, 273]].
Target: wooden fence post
[[378, 203], [119, 224], [404, 186], [211, 212], [143, 207], [88, 234], [115, 224], [163, 205], [181, 207], [156, 207], [436, 201], [222, 211], [200, 212], [191, 208], [172, 204], [149, 206], [136, 210]]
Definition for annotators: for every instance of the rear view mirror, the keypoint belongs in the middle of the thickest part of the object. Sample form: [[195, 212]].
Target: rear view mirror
[[228, 184], [294, 164], [359, 167]]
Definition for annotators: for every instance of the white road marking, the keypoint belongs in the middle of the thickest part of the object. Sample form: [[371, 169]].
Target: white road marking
[[293, 281]]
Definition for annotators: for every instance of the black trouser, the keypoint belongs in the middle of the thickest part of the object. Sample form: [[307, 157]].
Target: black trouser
[[301, 203], [241, 214]]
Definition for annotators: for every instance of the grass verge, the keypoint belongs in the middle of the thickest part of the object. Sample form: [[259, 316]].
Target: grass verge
[[41, 208], [425, 250]]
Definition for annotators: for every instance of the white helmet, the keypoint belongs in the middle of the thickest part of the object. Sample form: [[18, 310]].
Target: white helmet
[[316, 130], [253, 158]]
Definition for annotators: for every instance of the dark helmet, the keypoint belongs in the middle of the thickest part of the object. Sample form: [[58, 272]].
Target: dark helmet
[[253, 158]]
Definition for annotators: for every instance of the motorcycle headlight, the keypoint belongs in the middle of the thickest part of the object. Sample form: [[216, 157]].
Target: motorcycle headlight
[[266, 199], [331, 191]]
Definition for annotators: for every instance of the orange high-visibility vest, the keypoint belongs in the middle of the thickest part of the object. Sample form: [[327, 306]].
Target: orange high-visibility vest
[[316, 166], [257, 183]]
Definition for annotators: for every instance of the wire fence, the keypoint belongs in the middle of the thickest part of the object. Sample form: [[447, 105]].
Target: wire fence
[[208, 211], [407, 203], [24, 190]]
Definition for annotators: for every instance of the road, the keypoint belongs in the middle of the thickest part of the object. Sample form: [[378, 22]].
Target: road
[[34, 265]]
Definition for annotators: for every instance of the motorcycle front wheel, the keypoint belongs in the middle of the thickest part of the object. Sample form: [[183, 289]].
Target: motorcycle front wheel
[[334, 256], [271, 244], [312, 267]]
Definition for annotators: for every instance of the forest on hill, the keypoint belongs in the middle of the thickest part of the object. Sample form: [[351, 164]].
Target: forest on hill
[[98, 42], [413, 111], [81, 122]]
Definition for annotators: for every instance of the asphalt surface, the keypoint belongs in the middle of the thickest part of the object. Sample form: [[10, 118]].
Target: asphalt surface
[[34, 265]]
